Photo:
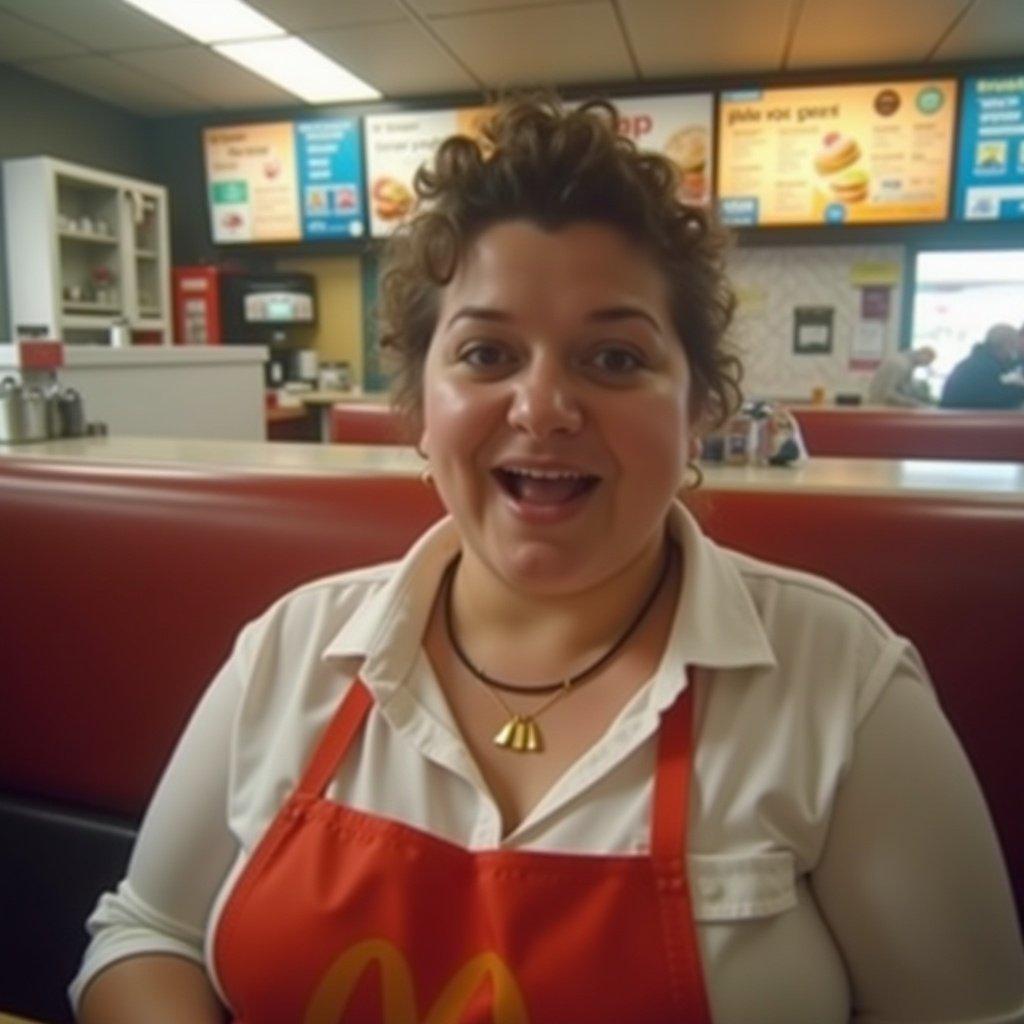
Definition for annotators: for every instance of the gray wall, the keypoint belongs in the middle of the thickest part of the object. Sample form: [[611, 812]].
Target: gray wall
[[39, 118]]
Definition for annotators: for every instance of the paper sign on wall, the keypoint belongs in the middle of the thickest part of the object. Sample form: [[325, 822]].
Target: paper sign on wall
[[812, 330]]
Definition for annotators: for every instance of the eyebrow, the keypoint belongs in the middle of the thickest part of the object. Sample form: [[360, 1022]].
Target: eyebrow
[[613, 313], [608, 315], [481, 313]]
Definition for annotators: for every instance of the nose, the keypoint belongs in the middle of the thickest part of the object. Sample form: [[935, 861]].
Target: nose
[[543, 401]]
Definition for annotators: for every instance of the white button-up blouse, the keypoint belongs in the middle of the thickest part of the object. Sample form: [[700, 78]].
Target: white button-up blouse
[[843, 863]]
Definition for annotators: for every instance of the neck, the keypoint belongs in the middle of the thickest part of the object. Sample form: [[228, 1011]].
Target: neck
[[531, 638]]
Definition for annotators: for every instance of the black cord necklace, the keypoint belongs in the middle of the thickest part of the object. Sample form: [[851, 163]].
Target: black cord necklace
[[520, 732]]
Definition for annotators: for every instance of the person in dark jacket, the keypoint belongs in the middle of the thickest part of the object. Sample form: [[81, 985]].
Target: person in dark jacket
[[986, 379]]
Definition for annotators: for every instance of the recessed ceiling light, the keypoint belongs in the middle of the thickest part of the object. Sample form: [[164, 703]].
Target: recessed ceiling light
[[296, 66], [211, 21]]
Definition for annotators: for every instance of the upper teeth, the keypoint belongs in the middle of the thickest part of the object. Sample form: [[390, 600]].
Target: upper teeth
[[546, 474]]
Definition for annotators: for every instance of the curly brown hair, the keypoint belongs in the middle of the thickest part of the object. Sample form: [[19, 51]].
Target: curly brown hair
[[537, 160]]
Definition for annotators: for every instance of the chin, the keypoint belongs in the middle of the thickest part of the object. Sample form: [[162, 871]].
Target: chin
[[547, 569]]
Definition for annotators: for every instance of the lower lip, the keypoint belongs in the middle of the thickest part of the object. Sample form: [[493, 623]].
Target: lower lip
[[546, 515]]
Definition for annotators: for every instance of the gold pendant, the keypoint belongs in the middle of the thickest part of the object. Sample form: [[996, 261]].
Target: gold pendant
[[521, 734]]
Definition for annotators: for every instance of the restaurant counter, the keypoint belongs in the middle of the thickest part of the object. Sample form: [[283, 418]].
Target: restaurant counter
[[979, 481], [165, 390]]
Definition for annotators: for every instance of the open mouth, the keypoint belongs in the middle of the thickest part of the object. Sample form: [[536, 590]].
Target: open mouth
[[545, 486]]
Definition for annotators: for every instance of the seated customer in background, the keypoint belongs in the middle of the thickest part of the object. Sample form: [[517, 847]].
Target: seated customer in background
[[990, 377], [568, 761], [893, 382]]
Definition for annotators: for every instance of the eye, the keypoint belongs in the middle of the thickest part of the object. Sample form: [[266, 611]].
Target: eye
[[485, 355], [616, 361]]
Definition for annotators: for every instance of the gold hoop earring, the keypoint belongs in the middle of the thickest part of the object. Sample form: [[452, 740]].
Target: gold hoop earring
[[696, 477], [426, 474]]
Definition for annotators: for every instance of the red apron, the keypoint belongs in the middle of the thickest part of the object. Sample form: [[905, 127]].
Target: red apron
[[342, 917]]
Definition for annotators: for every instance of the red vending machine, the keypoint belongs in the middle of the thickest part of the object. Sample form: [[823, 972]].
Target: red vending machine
[[197, 318]]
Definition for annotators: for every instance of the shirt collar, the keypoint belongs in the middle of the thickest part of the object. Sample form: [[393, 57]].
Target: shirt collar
[[716, 623]]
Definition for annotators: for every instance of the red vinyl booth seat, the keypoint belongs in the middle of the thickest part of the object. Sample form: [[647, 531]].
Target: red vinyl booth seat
[[878, 433], [356, 423], [124, 588]]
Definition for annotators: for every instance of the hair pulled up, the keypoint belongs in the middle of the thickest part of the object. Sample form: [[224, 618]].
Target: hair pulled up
[[540, 161]]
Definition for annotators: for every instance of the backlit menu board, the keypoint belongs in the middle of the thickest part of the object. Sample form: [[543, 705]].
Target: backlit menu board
[[285, 181], [990, 162], [396, 146], [875, 153], [678, 127]]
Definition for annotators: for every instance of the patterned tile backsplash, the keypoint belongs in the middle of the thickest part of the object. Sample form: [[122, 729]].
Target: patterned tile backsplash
[[772, 282]]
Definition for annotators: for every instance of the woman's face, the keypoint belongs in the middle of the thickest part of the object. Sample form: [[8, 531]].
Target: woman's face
[[555, 404]]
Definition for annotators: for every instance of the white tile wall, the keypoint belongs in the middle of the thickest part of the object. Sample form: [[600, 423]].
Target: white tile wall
[[770, 283]]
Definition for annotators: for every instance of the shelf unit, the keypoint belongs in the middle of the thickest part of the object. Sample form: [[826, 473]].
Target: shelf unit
[[85, 247]]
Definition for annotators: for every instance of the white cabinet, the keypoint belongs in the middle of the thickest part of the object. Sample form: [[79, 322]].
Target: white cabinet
[[85, 248]]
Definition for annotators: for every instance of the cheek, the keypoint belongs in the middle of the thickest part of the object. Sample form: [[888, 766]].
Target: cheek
[[456, 419], [657, 434]]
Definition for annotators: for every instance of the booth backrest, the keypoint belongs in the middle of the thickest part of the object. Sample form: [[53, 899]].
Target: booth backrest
[[359, 423], [879, 433], [125, 586], [869, 433]]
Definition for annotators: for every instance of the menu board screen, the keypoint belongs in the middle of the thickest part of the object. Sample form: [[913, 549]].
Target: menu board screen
[[285, 181], [396, 146], [678, 127], [876, 153], [990, 163]]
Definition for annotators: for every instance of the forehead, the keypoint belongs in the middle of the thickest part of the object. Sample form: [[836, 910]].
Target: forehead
[[579, 265]]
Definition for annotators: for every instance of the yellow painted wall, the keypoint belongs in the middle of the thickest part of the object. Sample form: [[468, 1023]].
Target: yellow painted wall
[[338, 334]]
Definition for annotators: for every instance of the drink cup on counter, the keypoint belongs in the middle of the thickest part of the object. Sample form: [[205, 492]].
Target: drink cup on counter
[[34, 415], [739, 440], [11, 428], [72, 413], [120, 333]]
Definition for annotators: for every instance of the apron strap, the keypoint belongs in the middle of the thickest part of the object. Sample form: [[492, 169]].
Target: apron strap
[[671, 782], [670, 814], [337, 738]]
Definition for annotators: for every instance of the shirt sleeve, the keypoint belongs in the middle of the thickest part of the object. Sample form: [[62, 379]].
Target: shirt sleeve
[[911, 880], [184, 849]]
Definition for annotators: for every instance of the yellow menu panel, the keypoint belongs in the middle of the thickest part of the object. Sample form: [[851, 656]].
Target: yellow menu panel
[[876, 153], [251, 175]]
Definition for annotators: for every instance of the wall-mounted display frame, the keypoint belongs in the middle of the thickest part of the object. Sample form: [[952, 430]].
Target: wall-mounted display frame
[[878, 152]]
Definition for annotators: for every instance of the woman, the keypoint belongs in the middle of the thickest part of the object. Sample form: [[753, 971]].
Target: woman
[[568, 760]]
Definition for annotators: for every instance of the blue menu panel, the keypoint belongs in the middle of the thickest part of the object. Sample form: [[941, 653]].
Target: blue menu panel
[[330, 178], [990, 163]]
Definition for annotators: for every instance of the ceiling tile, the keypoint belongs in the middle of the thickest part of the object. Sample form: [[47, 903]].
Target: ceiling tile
[[992, 28], [432, 7], [98, 24], [701, 37], [302, 14], [206, 75], [870, 31], [116, 84], [398, 59], [529, 46], [21, 40]]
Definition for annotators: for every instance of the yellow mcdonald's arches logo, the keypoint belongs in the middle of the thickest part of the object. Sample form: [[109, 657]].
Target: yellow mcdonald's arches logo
[[332, 995]]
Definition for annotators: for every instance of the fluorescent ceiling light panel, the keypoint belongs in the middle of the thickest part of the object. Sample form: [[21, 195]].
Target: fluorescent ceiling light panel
[[296, 66], [211, 21]]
